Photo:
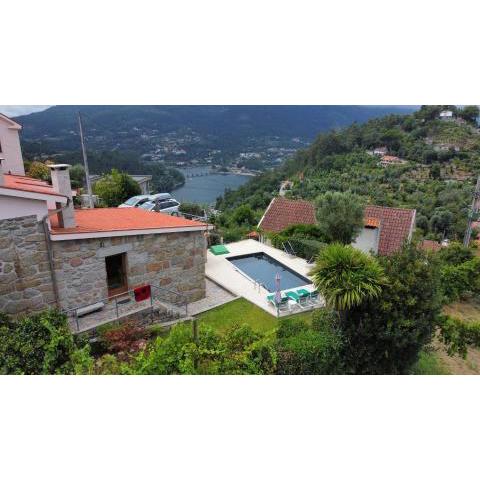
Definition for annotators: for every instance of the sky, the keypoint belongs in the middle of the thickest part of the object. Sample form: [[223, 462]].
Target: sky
[[15, 110]]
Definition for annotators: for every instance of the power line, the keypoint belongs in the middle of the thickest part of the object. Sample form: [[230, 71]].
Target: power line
[[85, 163]]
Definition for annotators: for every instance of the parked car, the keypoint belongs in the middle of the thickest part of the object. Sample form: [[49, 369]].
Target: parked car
[[159, 196], [167, 206], [148, 206], [170, 206], [134, 201]]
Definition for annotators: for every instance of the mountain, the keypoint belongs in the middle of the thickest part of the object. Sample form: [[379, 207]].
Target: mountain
[[233, 128], [434, 165]]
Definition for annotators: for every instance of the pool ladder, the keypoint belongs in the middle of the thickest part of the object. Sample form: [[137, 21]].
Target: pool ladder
[[257, 285]]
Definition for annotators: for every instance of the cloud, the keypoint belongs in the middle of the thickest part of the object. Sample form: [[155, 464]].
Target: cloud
[[16, 110]]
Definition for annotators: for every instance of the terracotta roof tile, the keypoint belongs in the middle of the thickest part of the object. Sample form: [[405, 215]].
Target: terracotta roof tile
[[430, 245], [371, 222], [283, 212], [28, 184], [396, 225], [120, 219]]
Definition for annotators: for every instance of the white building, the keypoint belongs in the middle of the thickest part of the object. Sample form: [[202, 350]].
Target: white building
[[446, 115], [10, 150], [144, 182]]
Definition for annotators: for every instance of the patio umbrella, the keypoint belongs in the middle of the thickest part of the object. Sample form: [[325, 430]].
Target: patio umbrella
[[278, 292]]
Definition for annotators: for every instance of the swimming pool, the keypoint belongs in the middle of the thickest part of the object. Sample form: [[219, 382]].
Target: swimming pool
[[262, 268]]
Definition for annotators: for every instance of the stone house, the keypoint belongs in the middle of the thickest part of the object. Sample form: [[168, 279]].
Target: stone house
[[52, 254]]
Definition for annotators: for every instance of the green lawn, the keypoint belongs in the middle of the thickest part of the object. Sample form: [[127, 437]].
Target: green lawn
[[242, 311]]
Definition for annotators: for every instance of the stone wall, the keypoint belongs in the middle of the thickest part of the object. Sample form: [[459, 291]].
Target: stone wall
[[174, 261], [25, 279]]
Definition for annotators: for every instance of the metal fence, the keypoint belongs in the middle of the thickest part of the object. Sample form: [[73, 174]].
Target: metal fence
[[121, 305]]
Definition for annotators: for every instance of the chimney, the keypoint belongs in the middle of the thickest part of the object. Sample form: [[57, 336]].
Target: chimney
[[2, 179], [61, 184]]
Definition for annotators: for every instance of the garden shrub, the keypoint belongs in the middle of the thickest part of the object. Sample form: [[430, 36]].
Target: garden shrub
[[305, 350], [306, 240], [39, 343], [128, 337], [458, 280], [459, 335]]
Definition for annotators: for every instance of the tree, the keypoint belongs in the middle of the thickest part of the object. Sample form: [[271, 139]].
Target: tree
[[36, 344], [116, 187], [346, 277], [77, 175], [469, 113], [435, 171], [244, 215], [39, 170], [339, 216], [192, 209], [385, 335]]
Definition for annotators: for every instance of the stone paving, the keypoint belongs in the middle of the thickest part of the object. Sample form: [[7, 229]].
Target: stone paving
[[225, 273], [215, 296], [109, 313]]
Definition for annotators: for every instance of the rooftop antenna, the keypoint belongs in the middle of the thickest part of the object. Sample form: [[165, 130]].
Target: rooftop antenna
[[85, 163], [473, 214]]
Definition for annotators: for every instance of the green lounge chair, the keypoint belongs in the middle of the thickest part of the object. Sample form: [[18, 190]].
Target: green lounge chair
[[281, 305], [295, 297], [303, 294]]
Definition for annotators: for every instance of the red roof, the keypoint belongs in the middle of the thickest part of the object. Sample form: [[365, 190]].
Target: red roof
[[120, 219], [283, 212], [371, 222], [396, 226], [391, 159], [28, 184], [430, 245]]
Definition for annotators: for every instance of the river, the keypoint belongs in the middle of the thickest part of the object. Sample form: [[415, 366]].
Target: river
[[205, 189]]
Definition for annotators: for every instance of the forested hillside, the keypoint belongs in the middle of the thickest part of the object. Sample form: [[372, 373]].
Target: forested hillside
[[441, 159], [219, 126]]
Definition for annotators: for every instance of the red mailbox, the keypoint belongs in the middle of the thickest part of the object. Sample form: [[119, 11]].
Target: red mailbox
[[142, 293]]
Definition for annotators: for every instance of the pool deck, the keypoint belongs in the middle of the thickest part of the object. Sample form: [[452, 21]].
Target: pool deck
[[223, 272]]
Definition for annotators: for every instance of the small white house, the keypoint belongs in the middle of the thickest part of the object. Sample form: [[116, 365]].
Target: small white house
[[380, 151], [446, 115]]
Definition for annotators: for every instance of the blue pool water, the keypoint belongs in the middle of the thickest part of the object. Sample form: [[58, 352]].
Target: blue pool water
[[263, 268]]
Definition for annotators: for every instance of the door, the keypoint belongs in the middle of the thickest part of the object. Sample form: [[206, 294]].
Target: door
[[116, 266]]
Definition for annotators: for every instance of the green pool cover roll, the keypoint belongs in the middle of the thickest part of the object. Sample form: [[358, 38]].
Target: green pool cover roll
[[219, 250]]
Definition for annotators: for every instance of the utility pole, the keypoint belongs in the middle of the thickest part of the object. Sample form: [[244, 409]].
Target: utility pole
[[85, 163], [473, 213]]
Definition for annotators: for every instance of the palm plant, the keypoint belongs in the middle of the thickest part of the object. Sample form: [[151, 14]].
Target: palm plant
[[346, 277]]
